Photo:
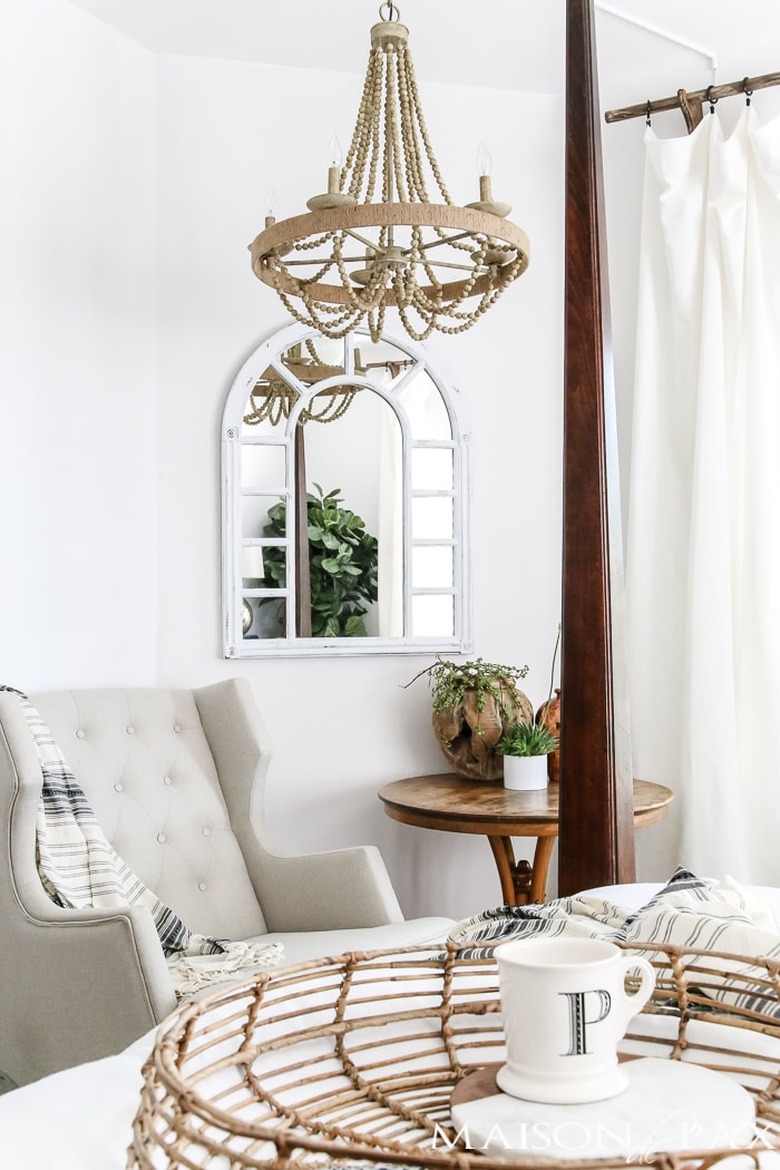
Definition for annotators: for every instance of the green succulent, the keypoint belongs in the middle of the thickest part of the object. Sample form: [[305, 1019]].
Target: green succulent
[[527, 739]]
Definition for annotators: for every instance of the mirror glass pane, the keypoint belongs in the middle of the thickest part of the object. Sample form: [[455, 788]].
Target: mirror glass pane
[[432, 468], [254, 514], [263, 617], [354, 509], [262, 466], [433, 615], [428, 415], [268, 405], [432, 567], [432, 518], [252, 567]]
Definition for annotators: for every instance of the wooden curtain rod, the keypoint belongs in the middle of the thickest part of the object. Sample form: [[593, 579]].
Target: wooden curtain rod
[[691, 104]]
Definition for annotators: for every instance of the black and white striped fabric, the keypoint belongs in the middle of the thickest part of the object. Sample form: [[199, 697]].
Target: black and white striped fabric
[[689, 912], [79, 868]]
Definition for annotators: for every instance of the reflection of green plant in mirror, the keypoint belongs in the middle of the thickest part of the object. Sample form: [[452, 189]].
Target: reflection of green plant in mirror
[[343, 560]]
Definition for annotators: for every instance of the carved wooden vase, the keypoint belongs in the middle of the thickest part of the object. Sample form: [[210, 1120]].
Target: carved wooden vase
[[549, 716], [468, 732]]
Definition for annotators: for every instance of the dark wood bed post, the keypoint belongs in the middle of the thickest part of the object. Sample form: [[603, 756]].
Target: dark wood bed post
[[596, 842]]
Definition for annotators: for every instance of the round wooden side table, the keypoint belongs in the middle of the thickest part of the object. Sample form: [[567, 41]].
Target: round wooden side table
[[455, 804]]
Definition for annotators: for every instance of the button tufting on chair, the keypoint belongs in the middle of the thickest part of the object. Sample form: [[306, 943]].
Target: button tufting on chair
[[202, 886], [80, 733], [161, 838], [131, 731], [118, 787], [206, 831], [167, 780]]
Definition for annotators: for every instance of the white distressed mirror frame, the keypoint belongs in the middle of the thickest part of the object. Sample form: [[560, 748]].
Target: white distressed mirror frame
[[269, 353]]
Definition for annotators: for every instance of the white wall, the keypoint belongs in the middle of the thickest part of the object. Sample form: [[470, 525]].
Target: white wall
[[78, 443], [341, 728], [128, 305]]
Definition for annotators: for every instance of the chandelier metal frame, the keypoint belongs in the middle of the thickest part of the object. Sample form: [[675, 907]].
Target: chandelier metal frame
[[423, 258]]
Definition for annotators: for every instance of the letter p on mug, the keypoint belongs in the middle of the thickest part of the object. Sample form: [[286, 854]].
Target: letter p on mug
[[565, 1010]]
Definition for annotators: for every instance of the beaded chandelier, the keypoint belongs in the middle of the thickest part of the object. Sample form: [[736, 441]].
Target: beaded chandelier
[[361, 249]]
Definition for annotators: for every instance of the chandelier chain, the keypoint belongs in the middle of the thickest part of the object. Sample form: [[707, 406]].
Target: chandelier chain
[[394, 134], [416, 104], [412, 142], [387, 154], [361, 137]]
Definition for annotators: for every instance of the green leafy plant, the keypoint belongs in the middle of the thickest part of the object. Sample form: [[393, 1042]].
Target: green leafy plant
[[527, 739], [343, 559], [450, 681]]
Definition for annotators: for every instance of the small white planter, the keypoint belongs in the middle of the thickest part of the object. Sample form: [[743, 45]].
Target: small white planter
[[525, 773]]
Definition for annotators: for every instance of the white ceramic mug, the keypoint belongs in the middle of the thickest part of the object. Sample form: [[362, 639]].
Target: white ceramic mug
[[565, 1009]]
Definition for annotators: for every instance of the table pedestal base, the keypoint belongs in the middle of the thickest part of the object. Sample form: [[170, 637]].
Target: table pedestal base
[[522, 882]]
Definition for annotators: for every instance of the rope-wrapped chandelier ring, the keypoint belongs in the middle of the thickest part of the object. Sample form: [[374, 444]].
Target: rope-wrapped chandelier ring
[[271, 268]]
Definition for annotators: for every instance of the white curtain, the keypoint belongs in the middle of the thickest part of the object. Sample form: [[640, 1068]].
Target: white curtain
[[703, 548]]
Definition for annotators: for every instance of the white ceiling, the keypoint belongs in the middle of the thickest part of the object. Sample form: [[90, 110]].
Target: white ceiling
[[515, 44]]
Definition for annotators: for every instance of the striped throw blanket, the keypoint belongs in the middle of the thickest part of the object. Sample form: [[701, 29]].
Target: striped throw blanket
[[689, 912], [79, 868]]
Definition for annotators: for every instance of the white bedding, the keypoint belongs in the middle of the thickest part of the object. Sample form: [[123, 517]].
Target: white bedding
[[78, 1119], [81, 1119]]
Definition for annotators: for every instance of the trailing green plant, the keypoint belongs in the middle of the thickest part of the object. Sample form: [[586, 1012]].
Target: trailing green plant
[[527, 739], [449, 682], [343, 561]]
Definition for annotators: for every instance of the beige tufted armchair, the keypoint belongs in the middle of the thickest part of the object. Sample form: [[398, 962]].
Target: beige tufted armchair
[[176, 778]]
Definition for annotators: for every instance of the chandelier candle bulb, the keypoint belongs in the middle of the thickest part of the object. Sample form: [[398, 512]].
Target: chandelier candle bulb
[[334, 170], [484, 160], [270, 204], [336, 153]]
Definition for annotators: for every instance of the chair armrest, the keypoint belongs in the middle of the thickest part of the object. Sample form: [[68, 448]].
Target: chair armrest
[[78, 985], [338, 890]]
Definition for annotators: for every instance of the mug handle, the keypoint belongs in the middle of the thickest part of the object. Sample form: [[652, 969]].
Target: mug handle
[[636, 1000]]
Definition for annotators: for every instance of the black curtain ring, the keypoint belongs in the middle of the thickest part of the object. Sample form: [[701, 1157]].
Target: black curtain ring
[[648, 119], [711, 99], [748, 92]]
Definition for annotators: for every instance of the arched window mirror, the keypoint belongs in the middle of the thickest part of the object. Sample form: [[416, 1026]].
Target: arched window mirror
[[345, 483]]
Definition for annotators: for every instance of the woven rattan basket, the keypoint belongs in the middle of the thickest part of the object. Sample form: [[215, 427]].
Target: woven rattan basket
[[354, 1059]]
